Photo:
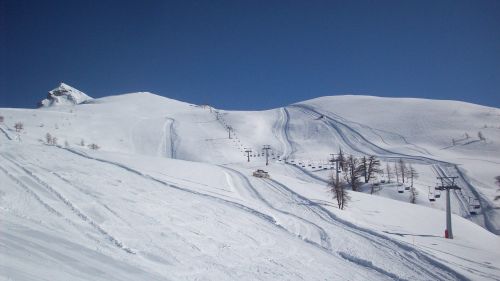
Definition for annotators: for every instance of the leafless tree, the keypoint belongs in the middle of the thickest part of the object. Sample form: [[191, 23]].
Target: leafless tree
[[466, 135], [1, 118], [341, 159], [339, 192], [403, 169], [388, 172], [396, 171], [66, 143], [19, 126], [353, 172], [370, 167], [82, 142], [94, 146], [413, 174], [50, 140], [481, 136], [498, 183]]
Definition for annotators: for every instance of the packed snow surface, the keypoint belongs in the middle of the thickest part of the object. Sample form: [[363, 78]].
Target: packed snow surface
[[169, 196]]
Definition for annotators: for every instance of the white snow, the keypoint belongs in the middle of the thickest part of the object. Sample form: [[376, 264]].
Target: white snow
[[64, 95], [168, 196]]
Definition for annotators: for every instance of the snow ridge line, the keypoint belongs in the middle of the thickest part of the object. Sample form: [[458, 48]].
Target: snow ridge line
[[416, 147], [325, 239], [74, 209], [173, 186], [370, 265], [382, 152], [5, 133], [376, 237]]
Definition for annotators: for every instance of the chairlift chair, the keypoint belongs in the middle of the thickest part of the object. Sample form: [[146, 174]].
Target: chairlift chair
[[432, 196], [401, 188], [437, 193], [475, 203], [407, 187]]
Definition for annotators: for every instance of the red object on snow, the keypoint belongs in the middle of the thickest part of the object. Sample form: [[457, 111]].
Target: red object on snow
[[446, 233]]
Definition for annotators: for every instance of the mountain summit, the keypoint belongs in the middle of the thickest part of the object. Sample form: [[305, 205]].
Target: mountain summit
[[64, 95]]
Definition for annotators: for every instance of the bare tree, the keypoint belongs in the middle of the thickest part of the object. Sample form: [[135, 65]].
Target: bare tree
[[1, 118], [466, 135], [66, 143], [454, 142], [94, 146], [498, 183], [341, 159], [339, 192], [372, 168], [388, 172], [353, 172], [481, 136], [403, 170], [19, 126], [396, 171], [48, 138], [413, 174], [82, 142]]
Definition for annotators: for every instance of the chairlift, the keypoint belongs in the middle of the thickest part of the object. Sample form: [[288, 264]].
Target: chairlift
[[437, 193], [475, 203], [431, 195], [407, 187], [401, 188]]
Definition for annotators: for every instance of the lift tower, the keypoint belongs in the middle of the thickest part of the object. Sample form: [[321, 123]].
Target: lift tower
[[448, 183], [266, 147], [248, 151]]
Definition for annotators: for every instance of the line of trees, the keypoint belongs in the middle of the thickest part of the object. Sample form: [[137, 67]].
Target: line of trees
[[353, 172]]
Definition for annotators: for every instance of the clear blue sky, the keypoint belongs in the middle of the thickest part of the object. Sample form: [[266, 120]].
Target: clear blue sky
[[251, 54]]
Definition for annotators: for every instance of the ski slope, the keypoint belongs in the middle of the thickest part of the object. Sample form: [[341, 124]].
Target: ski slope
[[168, 196]]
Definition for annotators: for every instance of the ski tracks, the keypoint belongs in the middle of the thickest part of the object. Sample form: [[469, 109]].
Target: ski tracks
[[36, 179], [413, 259]]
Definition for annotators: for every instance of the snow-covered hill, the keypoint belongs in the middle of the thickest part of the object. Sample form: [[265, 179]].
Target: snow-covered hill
[[168, 196]]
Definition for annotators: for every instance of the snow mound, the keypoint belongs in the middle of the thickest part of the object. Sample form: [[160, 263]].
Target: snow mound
[[64, 95]]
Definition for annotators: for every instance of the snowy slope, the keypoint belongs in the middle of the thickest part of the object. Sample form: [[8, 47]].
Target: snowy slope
[[168, 196]]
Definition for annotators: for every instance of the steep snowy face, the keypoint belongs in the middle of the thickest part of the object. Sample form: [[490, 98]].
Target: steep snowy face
[[64, 95]]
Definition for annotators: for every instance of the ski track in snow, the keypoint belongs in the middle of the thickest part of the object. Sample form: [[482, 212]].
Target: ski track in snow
[[70, 205], [403, 252], [177, 187]]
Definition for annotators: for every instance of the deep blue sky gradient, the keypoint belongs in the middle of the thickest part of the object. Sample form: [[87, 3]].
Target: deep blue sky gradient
[[251, 54]]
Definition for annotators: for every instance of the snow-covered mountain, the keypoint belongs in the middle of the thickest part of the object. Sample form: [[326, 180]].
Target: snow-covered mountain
[[169, 196], [64, 95]]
